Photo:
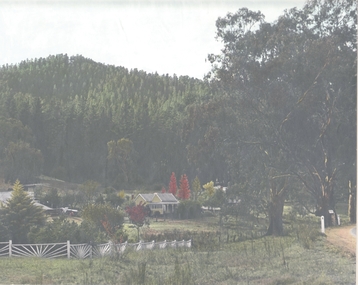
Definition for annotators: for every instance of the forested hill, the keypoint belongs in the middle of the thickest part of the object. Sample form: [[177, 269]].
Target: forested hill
[[59, 113]]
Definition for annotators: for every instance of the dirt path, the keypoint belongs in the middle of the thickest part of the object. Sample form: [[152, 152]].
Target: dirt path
[[342, 238]]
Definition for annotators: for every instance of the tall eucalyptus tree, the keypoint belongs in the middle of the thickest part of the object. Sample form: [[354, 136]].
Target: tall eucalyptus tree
[[289, 80]]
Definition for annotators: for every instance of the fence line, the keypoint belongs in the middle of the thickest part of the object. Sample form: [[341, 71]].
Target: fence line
[[82, 251]]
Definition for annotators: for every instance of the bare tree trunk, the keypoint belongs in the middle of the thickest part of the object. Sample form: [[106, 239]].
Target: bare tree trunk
[[275, 211], [275, 215], [325, 205], [326, 181], [323, 210]]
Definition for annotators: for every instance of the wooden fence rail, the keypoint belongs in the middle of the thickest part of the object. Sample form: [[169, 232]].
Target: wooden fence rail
[[82, 251]]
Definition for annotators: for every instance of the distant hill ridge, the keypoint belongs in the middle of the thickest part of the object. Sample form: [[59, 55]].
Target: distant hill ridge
[[66, 76]]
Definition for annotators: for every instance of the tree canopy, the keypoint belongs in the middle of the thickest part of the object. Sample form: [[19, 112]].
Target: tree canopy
[[288, 81]]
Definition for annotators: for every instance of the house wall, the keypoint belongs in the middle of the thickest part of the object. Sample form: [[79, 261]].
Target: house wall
[[139, 199]]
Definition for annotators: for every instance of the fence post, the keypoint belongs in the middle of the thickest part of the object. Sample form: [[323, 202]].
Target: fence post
[[139, 245], [322, 224], [10, 248], [68, 249]]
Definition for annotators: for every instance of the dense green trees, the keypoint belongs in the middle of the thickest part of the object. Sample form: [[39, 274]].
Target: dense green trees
[[120, 157], [22, 221], [62, 230], [69, 108], [22, 162]]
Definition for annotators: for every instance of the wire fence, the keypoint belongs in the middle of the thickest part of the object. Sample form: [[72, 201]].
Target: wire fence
[[82, 251]]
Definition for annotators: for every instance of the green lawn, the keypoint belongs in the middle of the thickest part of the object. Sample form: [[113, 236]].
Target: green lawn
[[188, 225]]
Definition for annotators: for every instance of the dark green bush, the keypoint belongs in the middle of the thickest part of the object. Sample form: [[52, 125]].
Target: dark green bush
[[188, 209]]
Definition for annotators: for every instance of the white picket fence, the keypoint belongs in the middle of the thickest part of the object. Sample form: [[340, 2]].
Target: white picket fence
[[82, 251]]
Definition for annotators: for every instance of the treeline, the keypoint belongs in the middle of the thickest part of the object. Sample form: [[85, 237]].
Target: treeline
[[59, 113]]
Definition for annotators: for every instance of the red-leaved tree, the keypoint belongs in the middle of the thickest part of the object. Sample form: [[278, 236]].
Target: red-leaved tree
[[137, 215], [184, 190], [173, 184], [164, 190]]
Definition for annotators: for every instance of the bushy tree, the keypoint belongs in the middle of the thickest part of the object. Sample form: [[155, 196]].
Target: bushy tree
[[216, 200], [61, 230], [137, 215], [72, 199], [51, 198], [115, 199], [209, 188], [196, 188], [19, 214], [90, 190], [189, 209], [104, 217]]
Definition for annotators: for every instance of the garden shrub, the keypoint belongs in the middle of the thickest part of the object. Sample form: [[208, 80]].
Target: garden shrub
[[188, 209]]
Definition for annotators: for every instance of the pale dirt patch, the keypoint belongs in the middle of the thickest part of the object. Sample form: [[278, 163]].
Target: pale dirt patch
[[342, 238]]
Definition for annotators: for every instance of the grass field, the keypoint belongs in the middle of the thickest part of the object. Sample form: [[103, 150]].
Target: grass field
[[261, 261], [301, 257]]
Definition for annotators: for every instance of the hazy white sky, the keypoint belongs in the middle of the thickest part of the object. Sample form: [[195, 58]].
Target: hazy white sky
[[167, 36]]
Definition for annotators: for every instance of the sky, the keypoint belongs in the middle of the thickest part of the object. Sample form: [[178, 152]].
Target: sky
[[164, 36]]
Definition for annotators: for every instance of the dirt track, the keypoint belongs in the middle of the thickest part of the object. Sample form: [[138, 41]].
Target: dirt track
[[342, 238]]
